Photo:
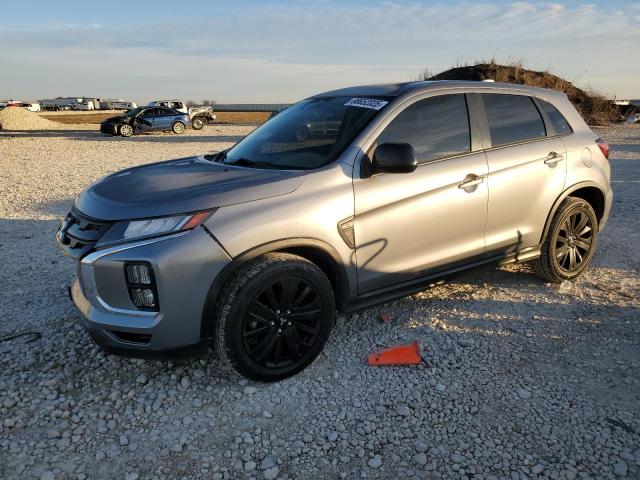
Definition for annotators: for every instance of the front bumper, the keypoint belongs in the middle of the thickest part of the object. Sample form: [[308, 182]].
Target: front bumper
[[184, 264]]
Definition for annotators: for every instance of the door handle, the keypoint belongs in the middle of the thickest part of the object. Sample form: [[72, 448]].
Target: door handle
[[470, 180], [553, 158]]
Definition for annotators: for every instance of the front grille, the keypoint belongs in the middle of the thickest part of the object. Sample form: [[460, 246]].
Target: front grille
[[78, 233]]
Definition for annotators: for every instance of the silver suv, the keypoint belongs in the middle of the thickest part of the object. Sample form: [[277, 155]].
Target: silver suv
[[344, 200]]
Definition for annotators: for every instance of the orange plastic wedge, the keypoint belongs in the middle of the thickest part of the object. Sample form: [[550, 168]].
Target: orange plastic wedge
[[397, 355]]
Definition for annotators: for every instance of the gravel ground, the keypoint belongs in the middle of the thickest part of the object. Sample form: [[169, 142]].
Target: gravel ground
[[525, 379]]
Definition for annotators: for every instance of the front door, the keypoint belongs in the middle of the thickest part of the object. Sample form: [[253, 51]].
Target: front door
[[407, 225], [145, 122]]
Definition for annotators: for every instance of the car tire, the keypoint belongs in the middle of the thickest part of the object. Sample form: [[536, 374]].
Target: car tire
[[125, 130], [197, 123], [570, 242], [178, 128], [274, 317]]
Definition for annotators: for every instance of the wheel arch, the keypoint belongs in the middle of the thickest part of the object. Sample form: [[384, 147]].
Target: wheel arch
[[591, 192], [320, 253]]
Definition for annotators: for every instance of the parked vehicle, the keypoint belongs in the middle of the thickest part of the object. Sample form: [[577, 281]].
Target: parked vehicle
[[32, 107], [252, 249], [123, 105], [85, 106], [146, 119], [199, 116]]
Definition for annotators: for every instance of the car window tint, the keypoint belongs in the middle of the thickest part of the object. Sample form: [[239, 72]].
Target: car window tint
[[436, 127], [558, 121], [512, 118], [166, 111]]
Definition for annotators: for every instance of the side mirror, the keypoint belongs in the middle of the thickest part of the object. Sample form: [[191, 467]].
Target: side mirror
[[394, 158]]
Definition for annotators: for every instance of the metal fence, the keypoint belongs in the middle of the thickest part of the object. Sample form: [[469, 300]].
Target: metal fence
[[249, 107]]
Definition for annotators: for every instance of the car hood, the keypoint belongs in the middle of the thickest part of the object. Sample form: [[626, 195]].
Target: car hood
[[181, 186], [117, 118]]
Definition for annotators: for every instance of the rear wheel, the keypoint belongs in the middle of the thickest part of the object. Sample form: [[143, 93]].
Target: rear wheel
[[274, 317], [197, 123], [125, 130], [178, 127], [570, 242]]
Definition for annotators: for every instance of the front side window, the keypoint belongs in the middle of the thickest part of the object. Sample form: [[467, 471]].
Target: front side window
[[512, 118], [436, 127], [558, 121], [307, 135]]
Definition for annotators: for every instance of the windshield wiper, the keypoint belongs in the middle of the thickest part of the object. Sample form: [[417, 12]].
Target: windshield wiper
[[245, 162]]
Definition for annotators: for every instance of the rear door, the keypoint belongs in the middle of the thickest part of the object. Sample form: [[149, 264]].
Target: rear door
[[527, 171], [166, 117]]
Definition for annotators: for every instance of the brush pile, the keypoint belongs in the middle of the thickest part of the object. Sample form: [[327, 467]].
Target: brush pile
[[594, 108]]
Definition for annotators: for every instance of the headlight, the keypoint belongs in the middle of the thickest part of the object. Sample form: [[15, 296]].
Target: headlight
[[152, 227]]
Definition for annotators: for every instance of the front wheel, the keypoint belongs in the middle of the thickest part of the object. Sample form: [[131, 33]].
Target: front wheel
[[125, 130], [570, 242], [178, 128], [274, 317], [197, 123]]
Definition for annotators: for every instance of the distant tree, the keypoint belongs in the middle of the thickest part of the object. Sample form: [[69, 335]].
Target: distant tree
[[191, 103], [206, 102]]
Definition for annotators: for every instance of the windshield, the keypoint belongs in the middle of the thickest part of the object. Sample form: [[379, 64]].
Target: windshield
[[133, 112], [307, 135]]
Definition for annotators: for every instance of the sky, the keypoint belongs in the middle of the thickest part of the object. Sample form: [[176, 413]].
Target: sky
[[274, 51]]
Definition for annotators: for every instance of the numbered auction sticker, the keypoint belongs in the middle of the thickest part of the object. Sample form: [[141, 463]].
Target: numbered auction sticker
[[372, 103]]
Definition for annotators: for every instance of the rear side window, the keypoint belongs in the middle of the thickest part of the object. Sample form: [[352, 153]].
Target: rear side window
[[436, 127], [512, 119], [559, 123]]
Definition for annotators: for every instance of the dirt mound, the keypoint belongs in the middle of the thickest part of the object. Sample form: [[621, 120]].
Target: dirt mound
[[15, 118], [594, 108]]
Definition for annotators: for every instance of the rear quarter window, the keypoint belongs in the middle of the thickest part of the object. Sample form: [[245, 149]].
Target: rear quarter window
[[512, 119], [558, 121]]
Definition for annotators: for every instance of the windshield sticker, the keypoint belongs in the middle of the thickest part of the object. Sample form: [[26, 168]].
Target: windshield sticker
[[372, 103]]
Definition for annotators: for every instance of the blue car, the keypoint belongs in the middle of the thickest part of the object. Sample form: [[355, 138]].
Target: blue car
[[146, 119]]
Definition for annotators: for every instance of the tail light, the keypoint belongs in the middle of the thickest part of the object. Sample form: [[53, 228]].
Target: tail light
[[604, 147]]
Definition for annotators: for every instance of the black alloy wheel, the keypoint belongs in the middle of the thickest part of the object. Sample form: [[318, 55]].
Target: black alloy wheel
[[283, 322], [274, 316]]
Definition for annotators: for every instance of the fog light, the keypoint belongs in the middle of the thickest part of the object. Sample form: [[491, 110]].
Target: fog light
[[141, 285], [138, 273], [143, 297]]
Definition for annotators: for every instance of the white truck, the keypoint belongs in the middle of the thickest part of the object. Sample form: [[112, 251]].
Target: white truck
[[199, 116]]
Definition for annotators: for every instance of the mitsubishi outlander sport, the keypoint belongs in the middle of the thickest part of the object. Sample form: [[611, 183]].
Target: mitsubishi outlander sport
[[253, 249]]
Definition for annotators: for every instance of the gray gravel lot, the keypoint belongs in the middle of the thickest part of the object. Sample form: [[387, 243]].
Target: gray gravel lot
[[525, 379]]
